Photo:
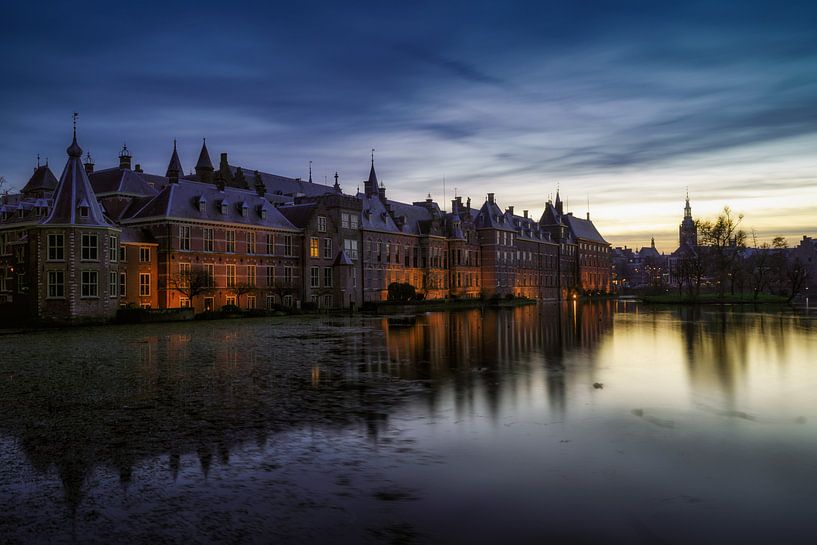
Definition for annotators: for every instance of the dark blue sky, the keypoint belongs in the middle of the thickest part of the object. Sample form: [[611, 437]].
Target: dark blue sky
[[627, 102]]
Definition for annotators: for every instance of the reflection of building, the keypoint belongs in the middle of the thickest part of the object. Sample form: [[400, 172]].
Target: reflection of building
[[81, 246]]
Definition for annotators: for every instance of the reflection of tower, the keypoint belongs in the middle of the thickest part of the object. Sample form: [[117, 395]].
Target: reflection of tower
[[688, 232]]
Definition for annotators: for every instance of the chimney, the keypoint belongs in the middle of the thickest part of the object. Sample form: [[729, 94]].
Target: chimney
[[491, 198], [510, 209], [138, 168], [260, 188], [525, 213], [468, 203], [381, 191]]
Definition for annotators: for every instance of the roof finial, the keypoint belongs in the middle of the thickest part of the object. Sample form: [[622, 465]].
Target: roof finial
[[372, 156], [337, 185], [75, 115], [310, 172], [38, 160], [174, 144]]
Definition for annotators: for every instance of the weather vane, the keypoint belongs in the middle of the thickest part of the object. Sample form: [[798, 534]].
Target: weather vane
[[75, 115]]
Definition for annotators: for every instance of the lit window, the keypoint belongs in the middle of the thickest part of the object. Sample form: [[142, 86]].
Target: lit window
[[230, 276], [251, 272], [144, 284], [314, 249]]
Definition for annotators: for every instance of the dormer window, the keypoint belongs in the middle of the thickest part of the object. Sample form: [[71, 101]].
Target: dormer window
[[20, 212], [262, 211], [83, 211], [244, 209], [224, 205], [202, 204]]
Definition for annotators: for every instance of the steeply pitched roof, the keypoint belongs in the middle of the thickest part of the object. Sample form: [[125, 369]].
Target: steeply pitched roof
[[121, 181], [73, 192], [491, 216], [181, 200], [374, 215], [42, 180], [175, 165], [204, 158], [583, 229]]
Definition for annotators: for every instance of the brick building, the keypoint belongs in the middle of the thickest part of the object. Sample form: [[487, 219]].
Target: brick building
[[235, 236]]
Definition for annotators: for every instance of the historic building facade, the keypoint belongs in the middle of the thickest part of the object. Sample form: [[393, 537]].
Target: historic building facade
[[83, 245]]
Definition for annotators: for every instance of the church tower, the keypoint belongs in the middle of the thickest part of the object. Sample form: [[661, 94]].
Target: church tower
[[688, 232]]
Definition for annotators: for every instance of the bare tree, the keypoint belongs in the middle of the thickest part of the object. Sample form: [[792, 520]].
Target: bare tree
[[243, 288], [724, 238], [192, 283], [4, 188]]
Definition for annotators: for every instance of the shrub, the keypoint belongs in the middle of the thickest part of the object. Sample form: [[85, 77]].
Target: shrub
[[230, 309], [401, 292]]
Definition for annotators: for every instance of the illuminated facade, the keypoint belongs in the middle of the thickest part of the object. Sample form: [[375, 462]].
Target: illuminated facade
[[229, 236]]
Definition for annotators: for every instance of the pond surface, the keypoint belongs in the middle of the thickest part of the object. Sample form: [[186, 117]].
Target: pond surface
[[596, 423]]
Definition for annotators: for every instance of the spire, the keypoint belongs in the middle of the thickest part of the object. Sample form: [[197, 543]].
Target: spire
[[174, 168], [687, 208], [371, 186], [652, 243], [74, 200], [558, 203], [310, 172], [337, 185], [204, 167]]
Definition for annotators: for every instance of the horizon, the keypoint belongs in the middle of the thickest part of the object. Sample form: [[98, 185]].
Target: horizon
[[629, 106]]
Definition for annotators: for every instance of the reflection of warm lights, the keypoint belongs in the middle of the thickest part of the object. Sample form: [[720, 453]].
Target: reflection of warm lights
[[575, 297], [316, 376]]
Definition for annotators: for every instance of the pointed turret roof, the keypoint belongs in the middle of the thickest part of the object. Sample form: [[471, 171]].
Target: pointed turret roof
[[175, 165], [74, 192], [204, 158], [373, 176]]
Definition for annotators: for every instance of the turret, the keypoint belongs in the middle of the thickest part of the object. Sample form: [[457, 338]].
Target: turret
[[125, 158], [174, 168], [204, 167]]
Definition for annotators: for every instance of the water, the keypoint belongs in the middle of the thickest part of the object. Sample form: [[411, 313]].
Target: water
[[440, 428]]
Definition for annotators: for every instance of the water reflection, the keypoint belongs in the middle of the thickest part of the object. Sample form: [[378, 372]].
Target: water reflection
[[232, 396]]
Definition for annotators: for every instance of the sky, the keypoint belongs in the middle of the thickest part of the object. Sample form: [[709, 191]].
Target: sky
[[625, 105]]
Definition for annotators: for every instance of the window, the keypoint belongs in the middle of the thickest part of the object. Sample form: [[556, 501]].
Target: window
[[244, 209], [314, 247], [287, 276], [327, 301], [314, 277], [122, 253], [112, 284], [229, 237], [251, 302], [230, 276], [251, 271], [184, 302], [210, 274], [89, 284], [144, 254], [250, 242], [83, 211], [322, 224], [288, 245], [270, 276], [354, 277], [287, 300], [350, 246], [230, 300], [89, 248], [144, 284], [352, 221], [184, 238], [184, 275], [122, 285], [56, 247], [270, 244], [327, 248], [113, 249], [202, 204], [344, 220], [56, 283], [327, 277], [208, 239]]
